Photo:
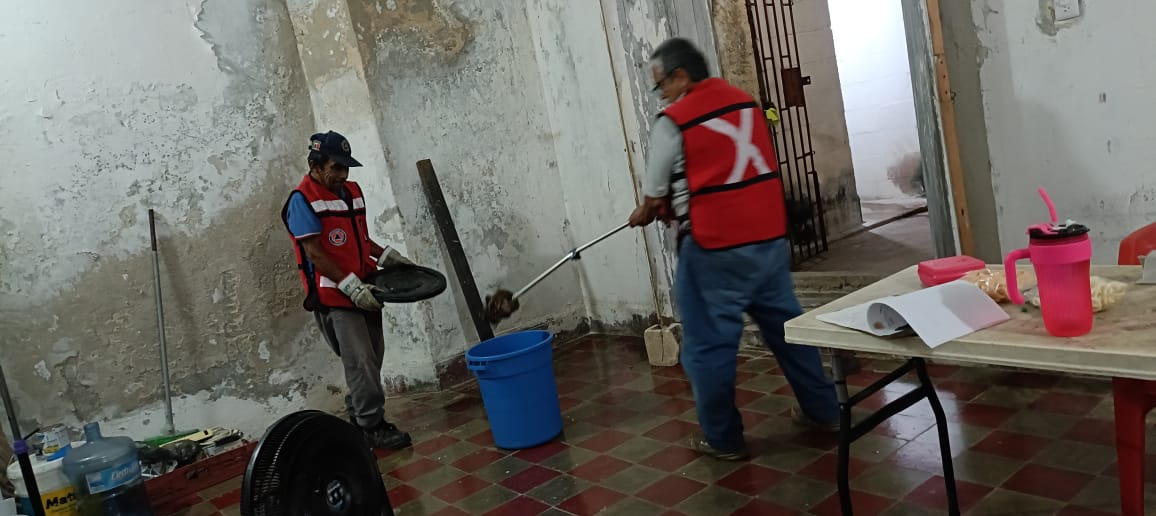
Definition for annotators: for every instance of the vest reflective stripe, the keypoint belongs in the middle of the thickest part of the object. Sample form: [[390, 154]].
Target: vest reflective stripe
[[736, 194], [344, 237], [322, 206]]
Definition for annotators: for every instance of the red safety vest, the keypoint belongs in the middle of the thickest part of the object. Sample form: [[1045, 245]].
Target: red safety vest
[[344, 237], [736, 194]]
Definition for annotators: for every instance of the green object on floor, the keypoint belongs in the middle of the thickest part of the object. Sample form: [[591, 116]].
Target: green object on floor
[[162, 440]]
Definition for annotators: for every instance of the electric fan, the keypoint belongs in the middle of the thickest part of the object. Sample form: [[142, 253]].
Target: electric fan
[[310, 463]]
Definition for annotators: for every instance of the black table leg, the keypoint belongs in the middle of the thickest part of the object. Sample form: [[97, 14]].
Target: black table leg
[[843, 473], [849, 433], [944, 438]]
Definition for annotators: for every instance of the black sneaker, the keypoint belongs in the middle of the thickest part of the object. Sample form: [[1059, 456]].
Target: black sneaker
[[386, 436]]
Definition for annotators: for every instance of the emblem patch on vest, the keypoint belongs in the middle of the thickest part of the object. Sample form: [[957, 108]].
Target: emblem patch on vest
[[337, 237]]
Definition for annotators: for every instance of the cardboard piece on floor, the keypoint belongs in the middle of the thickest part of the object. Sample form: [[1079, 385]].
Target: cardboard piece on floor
[[937, 314], [662, 345]]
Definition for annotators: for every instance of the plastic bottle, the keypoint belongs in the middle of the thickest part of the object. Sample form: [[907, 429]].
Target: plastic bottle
[[1061, 255], [106, 473]]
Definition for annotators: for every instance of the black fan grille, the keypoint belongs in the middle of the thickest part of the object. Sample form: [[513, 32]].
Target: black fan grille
[[298, 462]]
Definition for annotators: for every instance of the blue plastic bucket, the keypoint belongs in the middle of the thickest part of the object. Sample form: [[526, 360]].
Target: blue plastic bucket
[[516, 375]]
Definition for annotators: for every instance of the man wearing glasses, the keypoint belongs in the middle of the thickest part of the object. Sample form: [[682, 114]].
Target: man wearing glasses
[[712, 165]]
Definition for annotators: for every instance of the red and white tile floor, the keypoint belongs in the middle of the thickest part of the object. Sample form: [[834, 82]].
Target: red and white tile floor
[[1024, 443]]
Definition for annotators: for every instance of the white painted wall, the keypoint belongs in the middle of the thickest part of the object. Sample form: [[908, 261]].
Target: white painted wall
[[1068, 108], [876, 83]]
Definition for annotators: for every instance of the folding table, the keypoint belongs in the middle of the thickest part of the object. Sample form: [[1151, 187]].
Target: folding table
[[1122, 345]]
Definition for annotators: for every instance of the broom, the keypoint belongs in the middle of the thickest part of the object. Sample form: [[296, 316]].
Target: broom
[[503, 303]]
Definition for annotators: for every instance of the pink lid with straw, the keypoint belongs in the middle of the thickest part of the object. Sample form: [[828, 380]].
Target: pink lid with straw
[[1048, 229]]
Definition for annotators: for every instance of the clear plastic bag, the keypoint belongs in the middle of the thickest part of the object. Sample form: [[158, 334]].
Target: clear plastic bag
[[1105, 294], [994, 284]]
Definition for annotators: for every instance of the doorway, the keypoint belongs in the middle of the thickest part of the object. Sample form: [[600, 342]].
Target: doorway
[[854, 126], [778, 70], [874, 70], [875, 77]]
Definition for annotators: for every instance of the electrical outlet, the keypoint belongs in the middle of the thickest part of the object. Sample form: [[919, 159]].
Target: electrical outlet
[[1066, 9]]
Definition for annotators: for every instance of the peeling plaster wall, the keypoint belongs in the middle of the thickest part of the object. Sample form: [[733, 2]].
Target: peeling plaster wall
[[458, 82], [593, 163], [532, 122], [196, 109], [633, 29], [1054, 121], [735, 47]]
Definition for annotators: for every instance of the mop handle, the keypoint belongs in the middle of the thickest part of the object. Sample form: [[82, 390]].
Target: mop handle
[[575, 253], [168, 391]]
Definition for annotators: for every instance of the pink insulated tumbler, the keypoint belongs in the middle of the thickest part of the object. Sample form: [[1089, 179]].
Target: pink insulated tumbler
[[1061, 255]]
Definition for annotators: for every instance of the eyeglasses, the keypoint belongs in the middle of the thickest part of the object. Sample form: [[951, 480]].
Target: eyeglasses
[[658, 84]]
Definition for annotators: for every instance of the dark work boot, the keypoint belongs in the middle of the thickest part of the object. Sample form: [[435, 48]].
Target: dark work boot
[[386, 436], [698, 443]]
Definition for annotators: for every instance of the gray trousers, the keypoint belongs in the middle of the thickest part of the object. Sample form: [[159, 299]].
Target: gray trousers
[[357, 338]]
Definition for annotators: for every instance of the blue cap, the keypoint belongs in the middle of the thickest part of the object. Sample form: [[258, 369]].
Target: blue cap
[[334, 146]]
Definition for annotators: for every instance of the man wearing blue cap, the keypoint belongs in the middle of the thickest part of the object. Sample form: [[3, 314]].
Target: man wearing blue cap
[[325, 216]]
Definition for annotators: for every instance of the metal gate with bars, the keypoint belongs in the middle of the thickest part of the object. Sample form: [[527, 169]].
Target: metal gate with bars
[[781, 83]]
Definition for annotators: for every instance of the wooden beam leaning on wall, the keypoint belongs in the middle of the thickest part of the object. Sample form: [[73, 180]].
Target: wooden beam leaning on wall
[[947, 118]]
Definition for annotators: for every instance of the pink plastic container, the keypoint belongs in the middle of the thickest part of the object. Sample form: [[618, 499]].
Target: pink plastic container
[[945, 270], [1061, 256]]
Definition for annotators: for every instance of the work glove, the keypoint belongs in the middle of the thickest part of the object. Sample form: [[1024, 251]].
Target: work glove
[[390, 256], [360, 293]]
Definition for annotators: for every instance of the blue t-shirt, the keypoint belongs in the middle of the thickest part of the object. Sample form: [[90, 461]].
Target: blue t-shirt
[[302, 221]]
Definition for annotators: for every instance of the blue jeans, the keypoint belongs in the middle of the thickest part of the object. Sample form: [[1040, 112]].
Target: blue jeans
[[713, 289]]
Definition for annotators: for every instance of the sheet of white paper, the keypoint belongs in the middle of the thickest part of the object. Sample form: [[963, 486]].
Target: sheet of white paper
[[945, 312], [856, 318]]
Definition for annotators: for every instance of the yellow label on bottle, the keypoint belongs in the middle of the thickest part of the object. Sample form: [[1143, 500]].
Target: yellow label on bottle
[[61, 502]]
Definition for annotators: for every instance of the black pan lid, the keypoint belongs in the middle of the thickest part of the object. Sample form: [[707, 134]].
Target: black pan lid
[[403, 283]]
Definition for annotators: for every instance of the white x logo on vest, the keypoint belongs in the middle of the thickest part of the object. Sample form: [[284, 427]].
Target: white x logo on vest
[[745, 150]]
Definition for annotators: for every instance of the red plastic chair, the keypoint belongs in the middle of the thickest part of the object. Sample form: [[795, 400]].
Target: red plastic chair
[[1133, 399]]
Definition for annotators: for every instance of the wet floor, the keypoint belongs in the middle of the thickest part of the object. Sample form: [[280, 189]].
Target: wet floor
[[1023, 443]]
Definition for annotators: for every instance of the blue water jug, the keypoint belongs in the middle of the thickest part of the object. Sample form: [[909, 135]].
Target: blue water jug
[[106, 475]]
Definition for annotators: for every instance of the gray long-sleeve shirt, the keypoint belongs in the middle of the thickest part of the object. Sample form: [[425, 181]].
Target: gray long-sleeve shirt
[[666, 167]]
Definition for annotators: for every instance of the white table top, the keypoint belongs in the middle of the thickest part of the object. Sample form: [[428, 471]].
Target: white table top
[[1122, 342]]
